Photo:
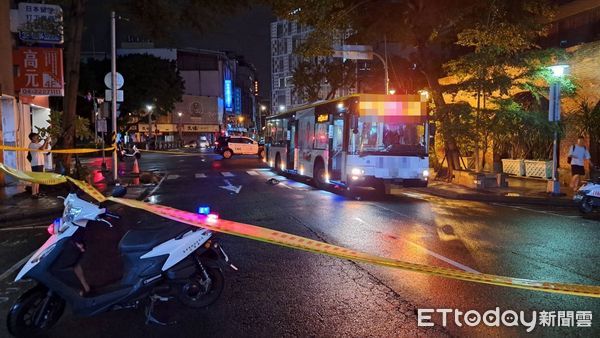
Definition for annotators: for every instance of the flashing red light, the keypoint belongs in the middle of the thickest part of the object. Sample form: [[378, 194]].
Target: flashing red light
[[51, 229]]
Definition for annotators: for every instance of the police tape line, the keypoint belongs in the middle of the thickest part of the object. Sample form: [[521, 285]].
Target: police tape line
[[306, 244], [57, 151]]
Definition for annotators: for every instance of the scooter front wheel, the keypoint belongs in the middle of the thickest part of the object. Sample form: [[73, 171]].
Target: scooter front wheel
[[34, 312]]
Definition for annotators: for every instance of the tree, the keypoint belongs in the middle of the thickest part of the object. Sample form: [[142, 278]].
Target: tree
[[157, 18], [312, 73], [431, 27], [162, 87]]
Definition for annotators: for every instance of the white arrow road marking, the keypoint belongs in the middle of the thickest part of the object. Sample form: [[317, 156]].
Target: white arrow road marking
[[227, 174], [172, 177], [230, 187], [200, 175]]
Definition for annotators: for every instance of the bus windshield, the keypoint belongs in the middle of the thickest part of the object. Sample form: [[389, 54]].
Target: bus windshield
[[382, 136]]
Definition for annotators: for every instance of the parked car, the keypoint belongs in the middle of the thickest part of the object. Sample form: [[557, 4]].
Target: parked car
[[204, 142], [191, 144], [227, 146]]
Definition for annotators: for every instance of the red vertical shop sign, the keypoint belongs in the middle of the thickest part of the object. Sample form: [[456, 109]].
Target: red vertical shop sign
[[39, 71]]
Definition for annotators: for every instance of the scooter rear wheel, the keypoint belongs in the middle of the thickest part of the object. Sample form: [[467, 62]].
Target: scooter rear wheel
[[586, 206], [28, 317], [196, 292]]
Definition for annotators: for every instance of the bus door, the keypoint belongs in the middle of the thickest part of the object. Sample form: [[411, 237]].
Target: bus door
[[291, 144], [336, 138]]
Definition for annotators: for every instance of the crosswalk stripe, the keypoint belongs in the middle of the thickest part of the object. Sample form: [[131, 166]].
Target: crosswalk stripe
[[200, 175], [227, 174], [252, 173]]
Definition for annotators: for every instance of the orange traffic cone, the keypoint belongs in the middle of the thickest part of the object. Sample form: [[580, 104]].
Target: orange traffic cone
[[136, 168]]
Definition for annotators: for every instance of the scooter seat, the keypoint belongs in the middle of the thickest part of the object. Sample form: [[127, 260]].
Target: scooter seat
[[144, 240]]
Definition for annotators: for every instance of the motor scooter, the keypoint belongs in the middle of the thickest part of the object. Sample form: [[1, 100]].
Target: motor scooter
[[178, 261], [587, 197]]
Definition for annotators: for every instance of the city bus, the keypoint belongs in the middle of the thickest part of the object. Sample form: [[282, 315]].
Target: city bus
[[360, 140]]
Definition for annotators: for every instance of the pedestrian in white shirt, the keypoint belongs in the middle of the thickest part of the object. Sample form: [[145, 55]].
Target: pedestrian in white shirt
[[37, 160], [578, 154]]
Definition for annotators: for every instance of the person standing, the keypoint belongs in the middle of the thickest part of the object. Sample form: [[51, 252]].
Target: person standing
[[578, 154], [37, 160], [48, 162]]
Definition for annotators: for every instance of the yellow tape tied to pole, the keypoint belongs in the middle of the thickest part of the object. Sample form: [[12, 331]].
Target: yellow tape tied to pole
[[307, 244], [58, 151]]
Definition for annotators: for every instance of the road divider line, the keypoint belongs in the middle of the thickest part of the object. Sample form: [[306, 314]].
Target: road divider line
[[200, 175], [227, 174], [252, 173], [431, 253], [17, 265], [302, 243]]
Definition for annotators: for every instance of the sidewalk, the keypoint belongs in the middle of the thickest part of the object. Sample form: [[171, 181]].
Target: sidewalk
[[519, 191], [18, 208]]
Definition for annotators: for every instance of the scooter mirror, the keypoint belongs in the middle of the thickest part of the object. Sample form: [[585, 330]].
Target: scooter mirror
[[119, 191]]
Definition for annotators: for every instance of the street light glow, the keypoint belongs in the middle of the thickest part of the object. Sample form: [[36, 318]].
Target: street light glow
[[392, 91], [179, 114], [281, 108], [263, 107], [558, 70], [149, 107]]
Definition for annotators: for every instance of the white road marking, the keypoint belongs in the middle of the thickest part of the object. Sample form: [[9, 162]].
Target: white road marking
[[534, 210], [15, 266], [227, 174], [172, 177], [200, 175], [158, 185], [252, 173], [414, 195], [230, 187], [431, 253], [25, 228]]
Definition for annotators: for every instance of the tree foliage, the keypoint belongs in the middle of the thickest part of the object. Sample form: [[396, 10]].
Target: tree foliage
[[311, 73], [55, 127], [162, 87]]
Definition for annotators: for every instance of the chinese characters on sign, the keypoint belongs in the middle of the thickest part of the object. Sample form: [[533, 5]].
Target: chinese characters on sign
[[40, 23], [39, 71]]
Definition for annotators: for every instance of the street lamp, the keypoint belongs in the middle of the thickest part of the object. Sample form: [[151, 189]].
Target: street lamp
[[281, 108], [263, 107], [180, 114], [392, 91], [558, 71], [149, 108]]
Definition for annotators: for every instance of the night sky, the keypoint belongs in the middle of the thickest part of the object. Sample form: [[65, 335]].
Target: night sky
[[246, 33]]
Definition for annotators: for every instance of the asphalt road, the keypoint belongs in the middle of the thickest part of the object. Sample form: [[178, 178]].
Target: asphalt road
[[282, 292]]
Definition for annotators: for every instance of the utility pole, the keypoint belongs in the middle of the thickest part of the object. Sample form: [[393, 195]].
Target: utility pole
[[113, 62], [385, 69]]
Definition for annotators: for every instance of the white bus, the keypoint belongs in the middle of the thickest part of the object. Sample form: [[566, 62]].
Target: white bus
[[361, 140]]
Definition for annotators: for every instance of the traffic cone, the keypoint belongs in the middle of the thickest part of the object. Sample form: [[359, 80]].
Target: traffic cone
[[136, 168]]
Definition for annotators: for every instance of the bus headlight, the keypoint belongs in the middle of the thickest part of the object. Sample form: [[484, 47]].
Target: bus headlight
[[425, 173], [357, 171]]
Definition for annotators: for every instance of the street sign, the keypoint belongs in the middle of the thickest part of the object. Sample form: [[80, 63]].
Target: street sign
[[108, 80], [101, 126], [39, 71], [108, 95], [40, 23], [354, 52]]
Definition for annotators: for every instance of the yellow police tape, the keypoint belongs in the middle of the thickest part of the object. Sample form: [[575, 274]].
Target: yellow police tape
[[57, 151], [303, 243]]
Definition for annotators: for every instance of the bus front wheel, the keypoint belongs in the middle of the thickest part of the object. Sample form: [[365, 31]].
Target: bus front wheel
[[319, 175]]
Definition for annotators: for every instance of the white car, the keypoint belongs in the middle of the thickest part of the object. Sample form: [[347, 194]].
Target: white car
[[204, 142], [238, 145]]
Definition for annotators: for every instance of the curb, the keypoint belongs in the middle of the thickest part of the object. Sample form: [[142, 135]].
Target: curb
[[550, 201]]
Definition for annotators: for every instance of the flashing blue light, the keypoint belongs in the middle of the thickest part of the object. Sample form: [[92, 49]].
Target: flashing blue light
[[204, 210], [56, 221]]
